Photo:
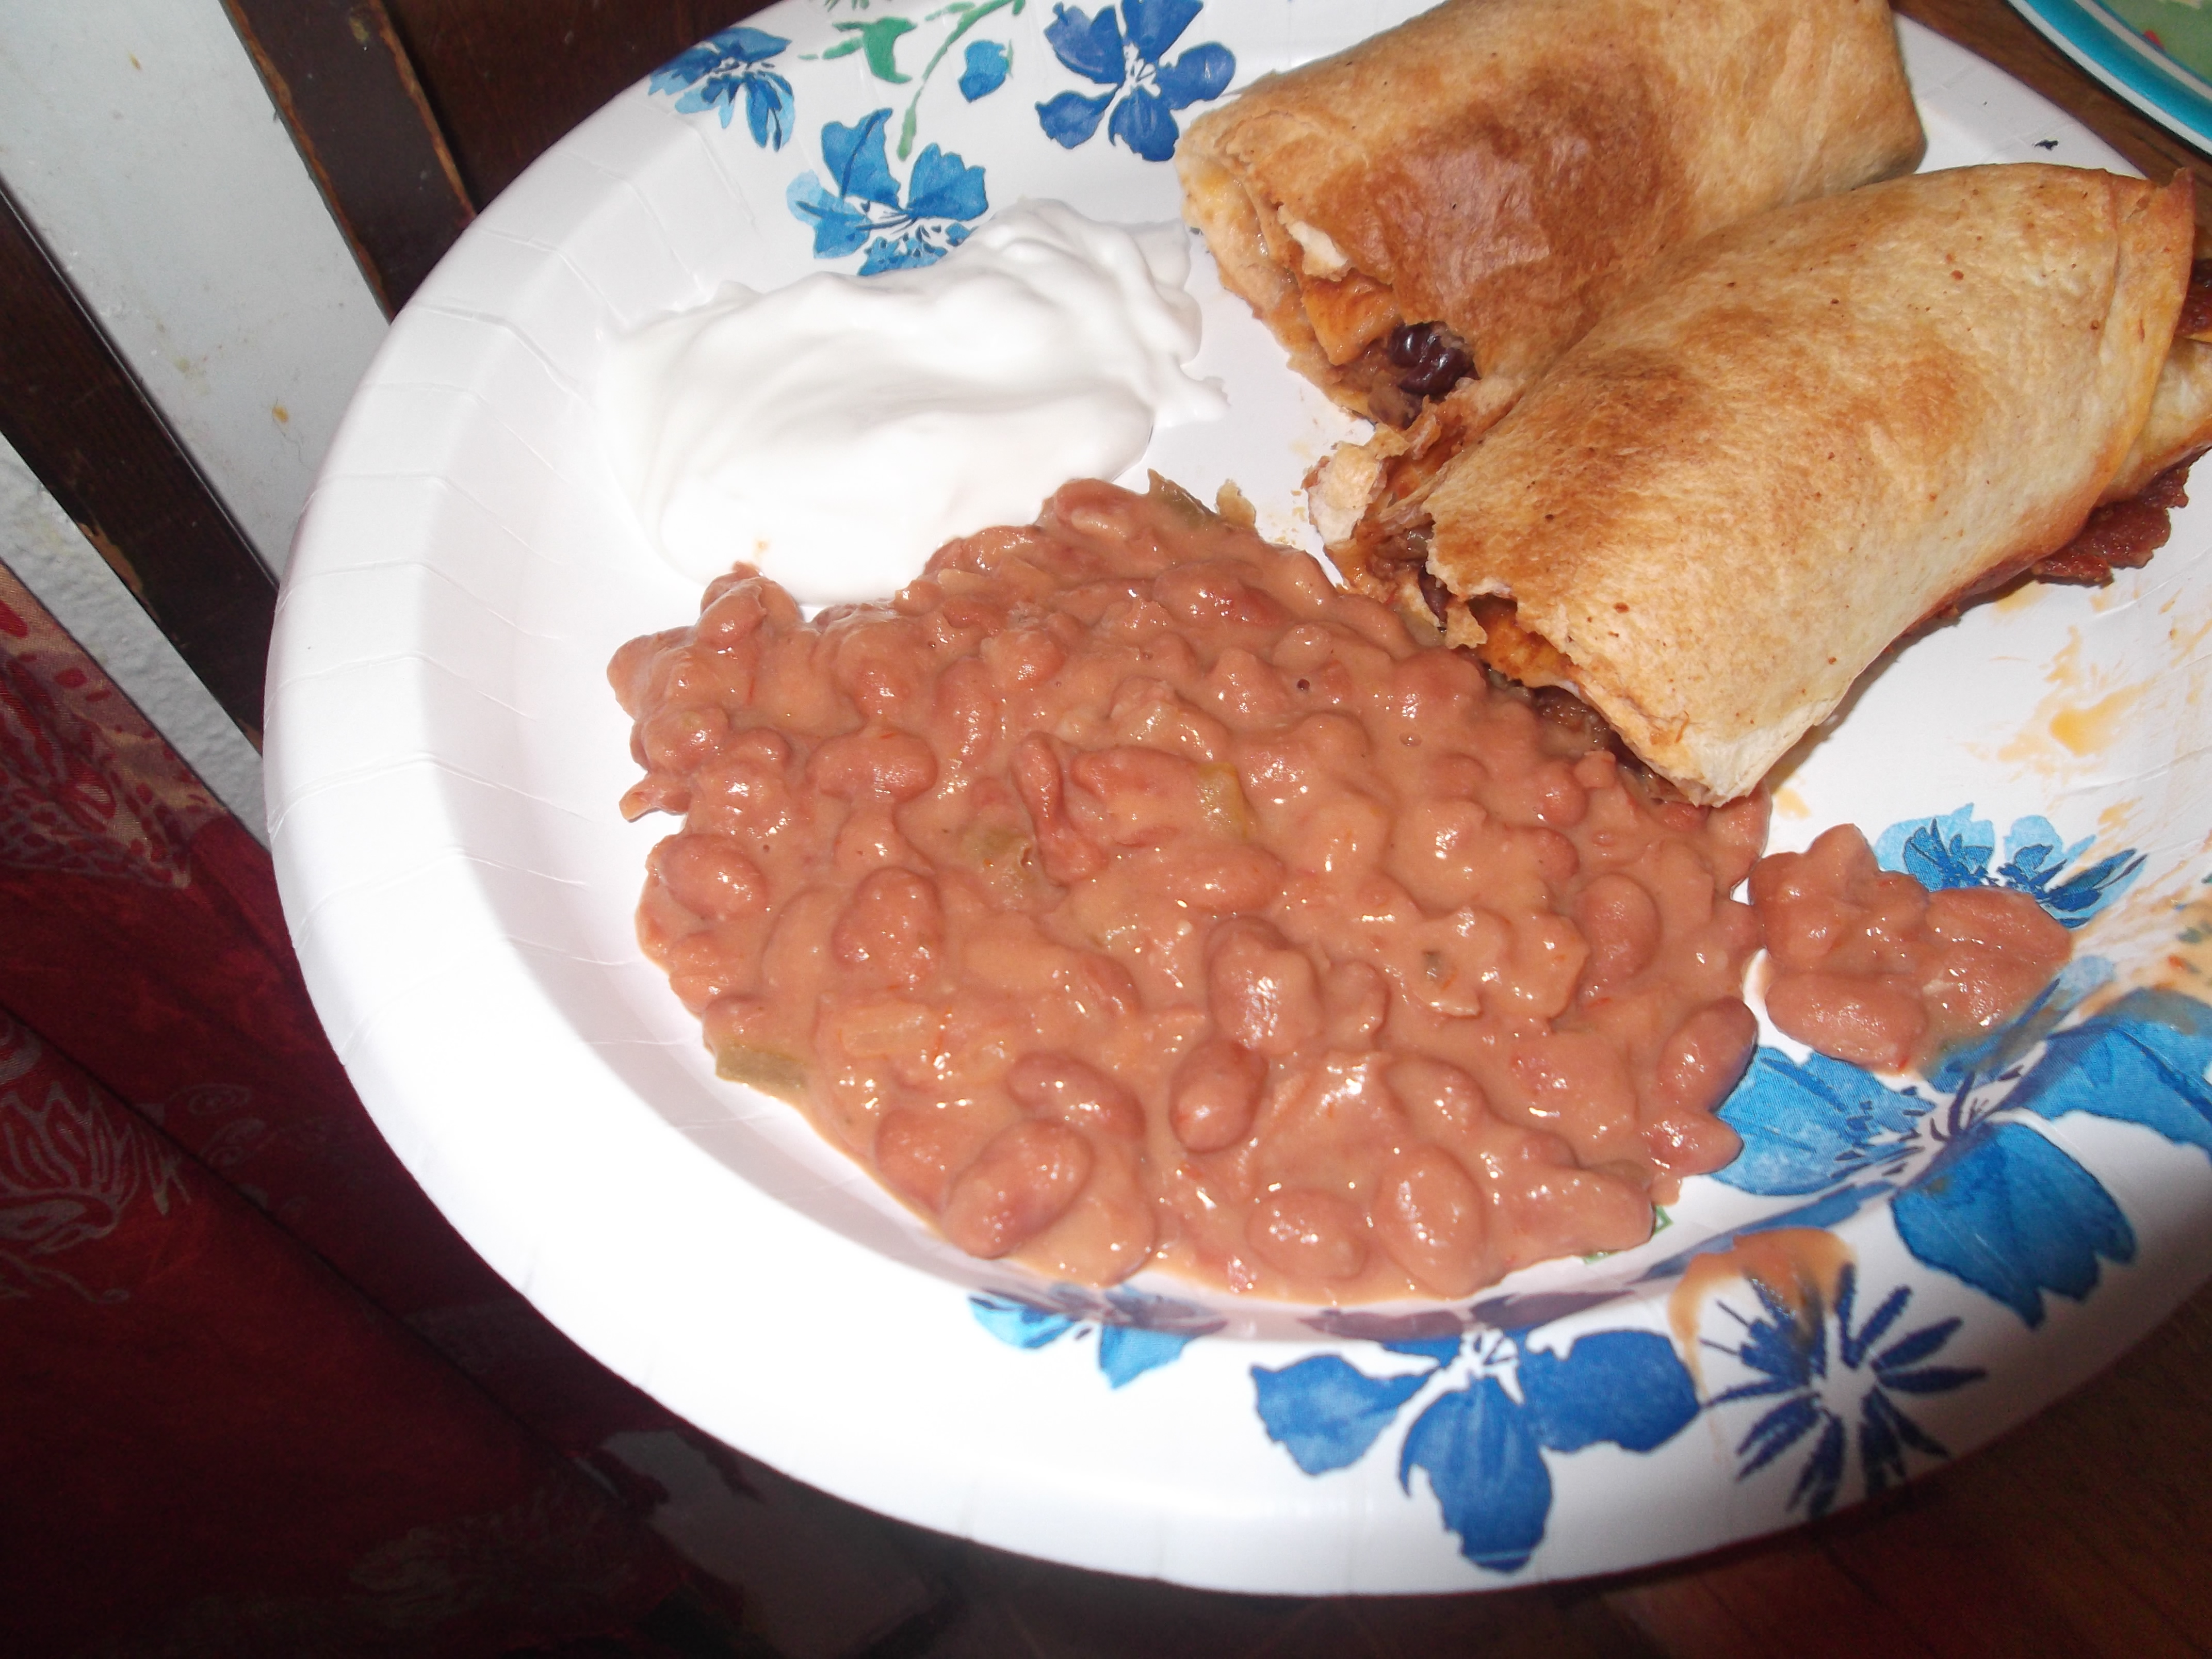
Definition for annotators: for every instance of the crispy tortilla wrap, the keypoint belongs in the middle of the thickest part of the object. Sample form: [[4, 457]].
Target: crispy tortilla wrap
[[1800, 437], [2180, 424], [1505, 167]]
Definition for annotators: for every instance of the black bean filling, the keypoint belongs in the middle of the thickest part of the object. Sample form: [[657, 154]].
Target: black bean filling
[[1434, 594], [1433, 359], [1409, 546]]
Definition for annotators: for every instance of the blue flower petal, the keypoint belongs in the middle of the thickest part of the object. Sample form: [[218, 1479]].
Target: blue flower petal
[[1151, 1311], [1628, 1387], [1200, 74], [1775, 1431], [1017, 1324], [1431, 1330], [2013, 1215], [1526, 1310], [746, 45], [908, 252], [943, 186], [750, 45], [1956, 850], [717, 93], [1852, 1348], [2034, 848], [1126, 1352], [1884, 1434], [2090, 891], [1951, 851], [1440, 1351], [1881, 1449], [986, 72], [1823, 1474], [1156, 25], [770, 109], [1933, 1379], [1071, 119], [1487, 1471], [2035, 855], [683, 69], [1092, 46], [2002, 1049], [2143, 1060], [1781, 1347], [1142, 121], [1910, 1432], [1325, 1412], [839, 227], [1806, 1125], [855, 157], [1910, 1349], [1760, 1391]]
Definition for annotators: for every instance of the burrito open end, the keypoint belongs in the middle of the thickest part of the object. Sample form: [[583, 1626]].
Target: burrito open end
[[1796, 440]]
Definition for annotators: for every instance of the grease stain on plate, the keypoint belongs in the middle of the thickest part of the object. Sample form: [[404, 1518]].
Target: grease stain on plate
[[1789, 803], [2079, 718], [2088, 731]]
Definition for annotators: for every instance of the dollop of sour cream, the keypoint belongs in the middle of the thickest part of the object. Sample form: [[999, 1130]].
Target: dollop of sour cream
[[836, 432]]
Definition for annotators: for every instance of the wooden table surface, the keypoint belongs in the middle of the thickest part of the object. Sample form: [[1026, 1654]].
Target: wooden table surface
[[2085, 1531]]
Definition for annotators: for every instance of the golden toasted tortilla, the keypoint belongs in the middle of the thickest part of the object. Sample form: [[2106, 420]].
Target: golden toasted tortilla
[[1505, 167], [2180, 424], [1800, 437]]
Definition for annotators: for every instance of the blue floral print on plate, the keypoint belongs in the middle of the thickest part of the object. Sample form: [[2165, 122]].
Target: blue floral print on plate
[[1974, 1190]]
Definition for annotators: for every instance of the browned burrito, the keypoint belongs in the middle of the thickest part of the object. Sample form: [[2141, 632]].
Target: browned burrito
[[1796, 440], [1451, 203]]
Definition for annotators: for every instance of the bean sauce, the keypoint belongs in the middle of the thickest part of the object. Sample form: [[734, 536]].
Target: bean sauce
[[1123, 893]]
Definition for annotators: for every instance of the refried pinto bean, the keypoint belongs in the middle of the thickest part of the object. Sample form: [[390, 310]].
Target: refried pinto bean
[[1121, 891], [1870, 967], [1020, 1183]]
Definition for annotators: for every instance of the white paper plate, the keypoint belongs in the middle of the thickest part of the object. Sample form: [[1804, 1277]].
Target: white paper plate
[[445, 756]]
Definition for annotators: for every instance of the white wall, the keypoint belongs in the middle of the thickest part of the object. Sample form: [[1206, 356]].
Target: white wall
[[138, 140], [47, 554]]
